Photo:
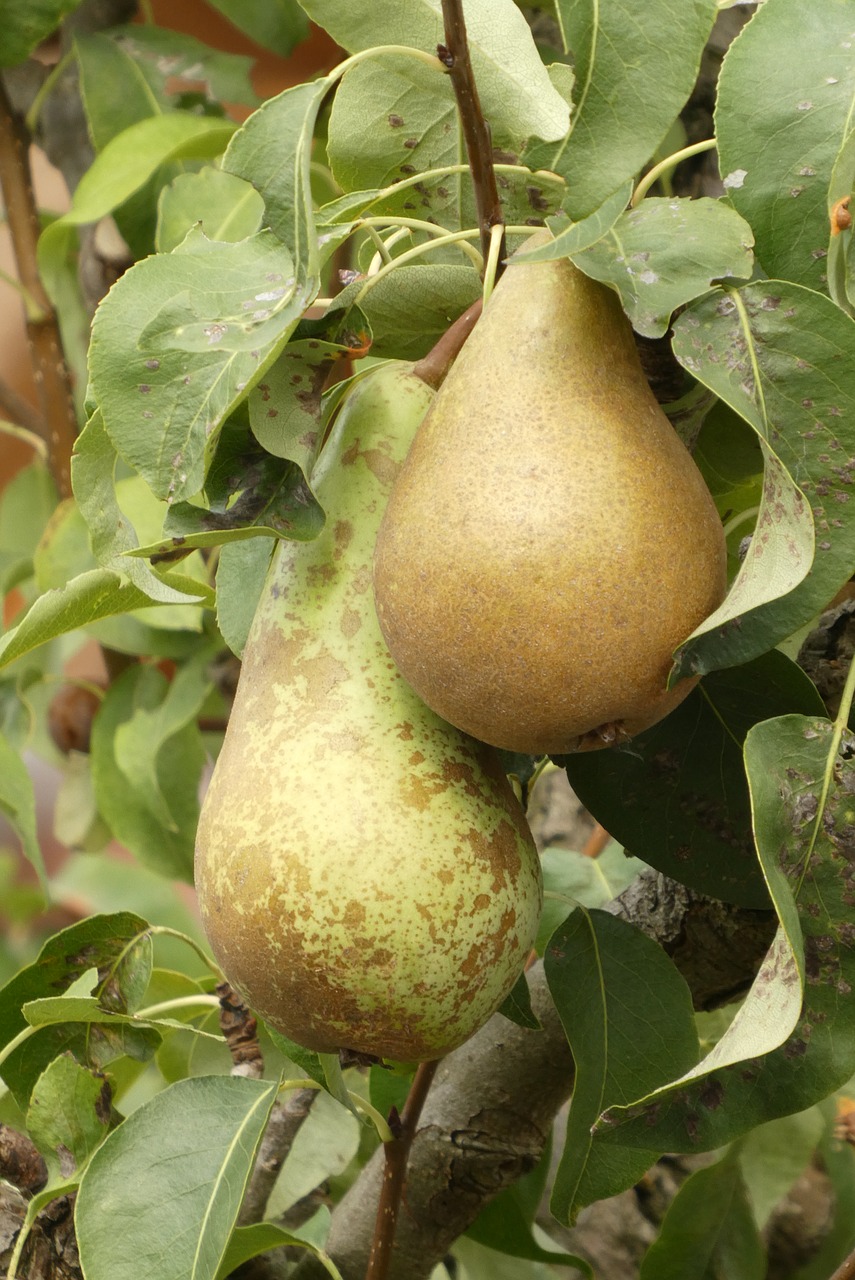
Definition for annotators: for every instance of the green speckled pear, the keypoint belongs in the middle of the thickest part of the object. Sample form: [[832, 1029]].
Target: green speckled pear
[[549, 541], [365, 874]]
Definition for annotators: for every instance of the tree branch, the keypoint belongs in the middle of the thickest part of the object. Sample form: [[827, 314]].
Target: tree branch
[[492, 1105], [476, 132], [49, 367]]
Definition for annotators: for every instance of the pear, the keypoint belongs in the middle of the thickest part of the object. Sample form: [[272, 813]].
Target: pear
[[365, 873], [549, 541]]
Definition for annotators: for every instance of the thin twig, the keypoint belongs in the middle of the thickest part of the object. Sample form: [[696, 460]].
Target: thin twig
[[433, 367], [846, 1270], [20, 411], [596, 842], [49, 367], [479, 144], [394, 1174], [282, 1128]]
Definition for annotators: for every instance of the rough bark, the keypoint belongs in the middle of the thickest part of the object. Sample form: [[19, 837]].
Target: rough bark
[[494, 1099]]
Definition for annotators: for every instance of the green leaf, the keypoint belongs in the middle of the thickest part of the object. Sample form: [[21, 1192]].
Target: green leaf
[[779, 355], [840, 267], [516, 92], [116, 90], [411, 308], [69, 1114], [177, 343], [93, 476], [325, 1146], [273, 152], [18, 806], [635, 67], [87, 598], [25, 25], [166, 55], [800, 781], [100, 941], [250, 493], [26, 504], [666, 252], [176, 762], [628, 1017], [517, 1006], [659, 797], [277, 25], [773, 1156], [708, 1230], [504, 1226], [571, 878], [249, 1242], [573, 237], [226, 207], [241, 574], [131, 157], [161, 1195], [139, 740], [779, 138]]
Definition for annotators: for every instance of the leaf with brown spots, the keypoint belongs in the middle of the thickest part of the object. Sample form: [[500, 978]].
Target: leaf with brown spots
[[781, 356], [803, 798]]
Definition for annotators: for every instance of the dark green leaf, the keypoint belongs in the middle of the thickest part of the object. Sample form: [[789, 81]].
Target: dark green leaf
[[659, 797], [274, 24], [802, 790], [504, 1226], [241, 574], [779, 136], [628, 1017], [306, 1059], [517, 1006], [410, 309], [571, 878], [249, 1242], [25, 25], [100, 942], [116, 90], [708, 1231], [780, 355], [69, 1113]]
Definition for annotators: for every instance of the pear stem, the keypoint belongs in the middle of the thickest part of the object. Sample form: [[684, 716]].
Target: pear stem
[[433, 367], [476, 132], [394, 1174]]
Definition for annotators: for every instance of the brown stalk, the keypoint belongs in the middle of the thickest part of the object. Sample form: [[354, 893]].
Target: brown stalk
[[476, 132], [397, 1154], [433, 367], [846, 1270], [58, 424]]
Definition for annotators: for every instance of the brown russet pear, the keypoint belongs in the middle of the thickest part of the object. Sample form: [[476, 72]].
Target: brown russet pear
[[549, 541], [365, 873]]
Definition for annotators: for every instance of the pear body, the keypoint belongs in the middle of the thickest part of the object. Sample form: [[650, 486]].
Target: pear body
[[549, 541], [365, 873]]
